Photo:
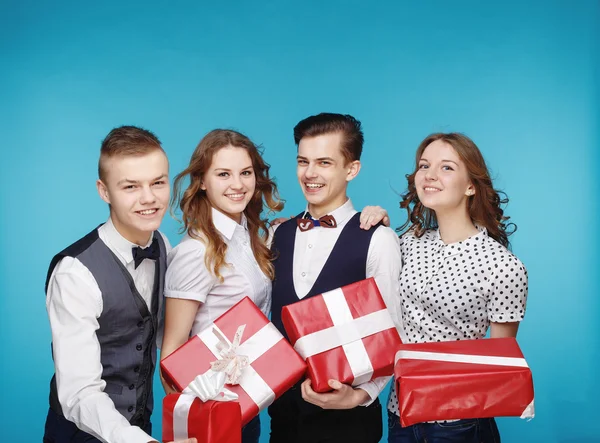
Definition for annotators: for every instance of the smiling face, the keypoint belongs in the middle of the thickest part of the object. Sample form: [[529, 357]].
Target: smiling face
[[442, 180], [137, 189], [230, 181], [323, 172]]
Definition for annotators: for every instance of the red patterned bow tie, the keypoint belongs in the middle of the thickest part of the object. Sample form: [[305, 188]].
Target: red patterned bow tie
[[306, 224]]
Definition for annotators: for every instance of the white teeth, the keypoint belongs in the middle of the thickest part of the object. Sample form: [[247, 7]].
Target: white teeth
[[147, 212], [235, 195], [314, 185], [431, 189]]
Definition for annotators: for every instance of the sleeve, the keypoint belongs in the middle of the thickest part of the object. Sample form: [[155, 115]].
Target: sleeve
[[384, 264], [74, 303], [374, 388], [168, 246], [270, 235], [187, 276], [508, 295]]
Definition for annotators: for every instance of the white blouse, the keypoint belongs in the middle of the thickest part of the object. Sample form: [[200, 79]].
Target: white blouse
[[188, 278], [453, 291]]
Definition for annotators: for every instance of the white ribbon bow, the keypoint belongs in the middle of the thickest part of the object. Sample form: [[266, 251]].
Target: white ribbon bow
[[226, 370], [230, 362]]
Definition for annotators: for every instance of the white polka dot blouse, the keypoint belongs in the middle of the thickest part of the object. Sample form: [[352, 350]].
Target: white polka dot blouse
[[453, 291]]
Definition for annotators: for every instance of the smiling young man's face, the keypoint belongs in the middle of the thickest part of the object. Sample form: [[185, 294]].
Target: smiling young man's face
[[323, 172], [138, 191]]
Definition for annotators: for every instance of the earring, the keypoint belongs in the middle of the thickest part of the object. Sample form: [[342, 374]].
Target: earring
[[469, 193]]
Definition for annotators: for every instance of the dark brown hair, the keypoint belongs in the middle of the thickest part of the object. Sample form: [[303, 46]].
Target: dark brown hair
[[126, 141], [197, 211], [484, 206], [327, 123]]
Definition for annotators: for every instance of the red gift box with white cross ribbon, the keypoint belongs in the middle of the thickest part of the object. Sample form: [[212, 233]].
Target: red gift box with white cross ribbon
[[462, 379], [260, 364], [346, 334]]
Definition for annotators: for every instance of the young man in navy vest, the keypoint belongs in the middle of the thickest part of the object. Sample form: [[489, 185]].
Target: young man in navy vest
[[104, 299], [321, 249]]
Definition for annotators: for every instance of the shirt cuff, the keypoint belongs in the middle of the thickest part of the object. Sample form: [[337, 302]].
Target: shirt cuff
[[132, 434], [370, 388], [373, 388], [196, 296]]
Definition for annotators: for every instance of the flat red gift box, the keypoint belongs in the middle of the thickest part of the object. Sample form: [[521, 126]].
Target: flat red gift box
[[462, 379], [185, 416], [346, 334], [274, 365]]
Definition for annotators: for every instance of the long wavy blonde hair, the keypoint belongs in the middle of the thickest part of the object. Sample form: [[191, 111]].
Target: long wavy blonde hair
[[197, 211]]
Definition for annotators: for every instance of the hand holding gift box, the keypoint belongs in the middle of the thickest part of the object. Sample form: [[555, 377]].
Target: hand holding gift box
[[346, 334], [244, 346], [463, 379]]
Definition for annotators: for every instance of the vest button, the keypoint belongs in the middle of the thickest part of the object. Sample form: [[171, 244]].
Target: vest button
[[130, 408], [140, 324], [131, 387], [138, 346], [136, 369]]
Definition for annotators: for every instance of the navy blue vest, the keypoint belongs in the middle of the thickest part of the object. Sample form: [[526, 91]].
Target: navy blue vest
[[346, 264], [127, 328]]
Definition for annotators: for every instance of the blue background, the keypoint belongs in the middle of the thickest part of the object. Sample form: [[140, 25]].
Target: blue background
[[521, 78]]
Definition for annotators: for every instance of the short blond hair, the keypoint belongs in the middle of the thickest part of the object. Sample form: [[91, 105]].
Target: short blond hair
[[126, 141]]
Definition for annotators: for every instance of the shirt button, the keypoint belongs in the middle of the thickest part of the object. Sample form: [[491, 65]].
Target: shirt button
[[309, 246], [130, 408], [303, 274], [131, 387], [138, 346]]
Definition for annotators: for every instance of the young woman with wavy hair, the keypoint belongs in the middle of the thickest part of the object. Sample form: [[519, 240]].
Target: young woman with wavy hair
[[223, 256], [458, 278]]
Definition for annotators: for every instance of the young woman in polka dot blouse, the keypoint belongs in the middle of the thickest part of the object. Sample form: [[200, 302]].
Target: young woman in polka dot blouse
[[458, 277]]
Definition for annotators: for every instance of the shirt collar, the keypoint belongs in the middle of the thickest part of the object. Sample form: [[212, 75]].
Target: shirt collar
[[119, 244], [341, 214], [225, 225], [465, 245]]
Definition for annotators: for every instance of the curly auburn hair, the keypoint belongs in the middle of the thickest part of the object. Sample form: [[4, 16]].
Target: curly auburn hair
[[197, 210], [484, 206]]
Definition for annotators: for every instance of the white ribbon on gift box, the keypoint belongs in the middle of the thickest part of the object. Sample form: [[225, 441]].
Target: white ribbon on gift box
[[254, 347], [346, 332], [232, 367], [207, 386], [211, 384], [529, 411]]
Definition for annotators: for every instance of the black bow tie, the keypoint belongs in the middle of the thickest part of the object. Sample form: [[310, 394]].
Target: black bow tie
[[152, 252]]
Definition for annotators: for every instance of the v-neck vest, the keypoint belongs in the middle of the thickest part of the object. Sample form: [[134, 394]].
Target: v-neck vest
[[128, 328]]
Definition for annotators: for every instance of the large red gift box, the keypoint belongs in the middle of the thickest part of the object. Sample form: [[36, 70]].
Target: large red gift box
[[274, 366], [185, 416], [462, 379], [346, 334]]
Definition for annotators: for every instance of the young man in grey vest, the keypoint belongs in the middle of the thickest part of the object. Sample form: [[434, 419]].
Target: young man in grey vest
[[104, 301], [321, 249]]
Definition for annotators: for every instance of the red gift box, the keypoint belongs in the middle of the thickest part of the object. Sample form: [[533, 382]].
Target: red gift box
[[274, 366], [346, 334], [185, 416], [462, 379]]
